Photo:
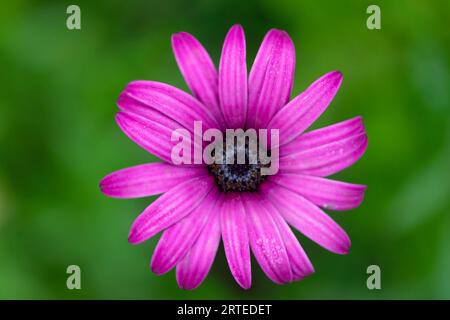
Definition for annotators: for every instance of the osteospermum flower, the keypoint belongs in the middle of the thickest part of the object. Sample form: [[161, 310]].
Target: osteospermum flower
[[203, 204]]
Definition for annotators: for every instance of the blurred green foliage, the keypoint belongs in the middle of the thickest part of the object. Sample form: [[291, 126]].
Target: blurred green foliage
[[58, 138]]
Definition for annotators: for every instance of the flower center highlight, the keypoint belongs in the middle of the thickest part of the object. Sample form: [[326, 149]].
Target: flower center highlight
[[231, 173]]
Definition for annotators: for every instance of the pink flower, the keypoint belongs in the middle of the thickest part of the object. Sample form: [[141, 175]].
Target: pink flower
[[203, 204]]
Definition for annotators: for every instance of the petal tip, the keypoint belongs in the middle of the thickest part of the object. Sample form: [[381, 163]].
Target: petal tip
[[275, 31], [345, 249], [102, 185], [177, 38], [236, 27], [178, 35], [336, 77], [284, 35], [186, 282], [122, 98], [244, 281], [133, 236], [120, 118], [156, 268], [245, 286], [309, 269], [186, 286], [365, 143], [236, 32]]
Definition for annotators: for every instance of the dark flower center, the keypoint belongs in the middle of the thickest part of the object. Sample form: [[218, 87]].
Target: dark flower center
[[237, 175]]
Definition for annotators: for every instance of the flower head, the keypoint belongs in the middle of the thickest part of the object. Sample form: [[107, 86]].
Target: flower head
[[206, 202]]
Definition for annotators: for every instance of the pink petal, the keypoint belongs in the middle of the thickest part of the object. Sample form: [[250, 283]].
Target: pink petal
[[271, 78], [169, 101], [168, 209], [233, 79], [302, 111], [325, 135], [154, 134], [131, 105], [265, 240], [147, 179], [307, 218], [198, 70], [193, 269], [300, 264], [235, 238], [179, 238], [326, 193], [327, 159], [148, 134]]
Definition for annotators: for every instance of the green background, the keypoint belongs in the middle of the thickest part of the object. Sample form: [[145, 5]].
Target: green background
[[58, 138]]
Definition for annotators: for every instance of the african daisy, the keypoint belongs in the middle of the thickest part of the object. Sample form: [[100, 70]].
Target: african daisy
[[205, 203]]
